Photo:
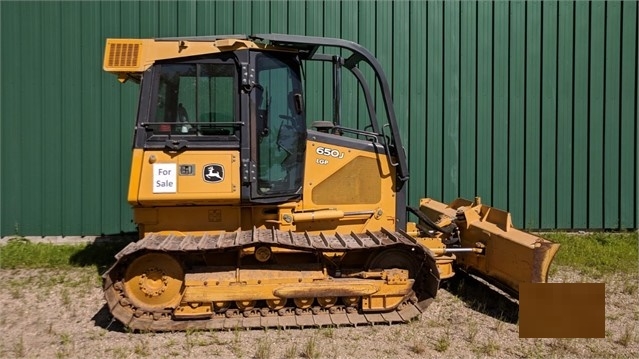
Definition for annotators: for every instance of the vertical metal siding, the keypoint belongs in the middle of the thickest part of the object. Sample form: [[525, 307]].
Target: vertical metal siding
[[516, 109], [565, 45], [90, 139], [109, 132], [50, 35], [415, 143], [350, 91], [400, 75], [71, 122], [332, 28], [532, 116], [32, 150], [501, 70], [532, 105], [467, 100], [434, 77], [596, 113], [628, 117], [611, 116], [129, 15], [483, 109], [548, 115], [10, 151], [579, 126], [314, 16]]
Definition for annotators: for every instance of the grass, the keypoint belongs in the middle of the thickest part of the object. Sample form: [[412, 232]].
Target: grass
[[473, 329], [597, 253], [311, 349], [66, 297], [627, 337], [65, 339], [119, 352], [594, 253], [21, 253], [263, 350], [328, 332], [629, 288], [562, 347], [417, 347], [19, 349], [499, 324], [443, 343], [291, 351], [71, 283], [238, 344], [142, 348], [490, 348]]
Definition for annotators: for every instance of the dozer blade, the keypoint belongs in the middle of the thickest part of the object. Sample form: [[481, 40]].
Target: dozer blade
[[508, 256]]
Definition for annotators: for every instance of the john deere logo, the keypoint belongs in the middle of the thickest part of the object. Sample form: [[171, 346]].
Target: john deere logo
[[213, 173]]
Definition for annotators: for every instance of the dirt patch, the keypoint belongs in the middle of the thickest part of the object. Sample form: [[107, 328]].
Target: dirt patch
[[61, 314]]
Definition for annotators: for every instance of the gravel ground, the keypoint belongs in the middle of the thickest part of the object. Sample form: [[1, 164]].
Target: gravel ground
[[61, 314]]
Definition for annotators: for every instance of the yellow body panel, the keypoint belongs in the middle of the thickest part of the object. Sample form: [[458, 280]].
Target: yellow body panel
[[124, 56], [359, 183], [188, 219], [307, 282], [134, 176], [157, 178], [352, 192]]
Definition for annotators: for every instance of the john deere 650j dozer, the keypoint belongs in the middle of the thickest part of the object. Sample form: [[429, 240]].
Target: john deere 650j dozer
[[250, 218]]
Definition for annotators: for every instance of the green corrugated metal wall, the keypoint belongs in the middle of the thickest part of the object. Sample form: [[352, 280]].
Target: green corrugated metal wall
[[532, 105]]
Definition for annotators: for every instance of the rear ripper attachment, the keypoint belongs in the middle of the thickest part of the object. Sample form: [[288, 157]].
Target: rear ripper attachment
[[270, 278]]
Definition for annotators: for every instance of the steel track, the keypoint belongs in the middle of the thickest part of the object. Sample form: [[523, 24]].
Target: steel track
[[425, 288]]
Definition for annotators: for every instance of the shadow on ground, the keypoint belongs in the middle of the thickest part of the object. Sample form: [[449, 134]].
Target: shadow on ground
[[105, 320], [482, 298], [101, 253]]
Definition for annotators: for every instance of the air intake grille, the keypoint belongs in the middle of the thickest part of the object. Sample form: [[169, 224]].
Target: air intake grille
[[123, 55]]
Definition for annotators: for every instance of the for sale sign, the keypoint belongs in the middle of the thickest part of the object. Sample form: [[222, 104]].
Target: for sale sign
[[164, 178]]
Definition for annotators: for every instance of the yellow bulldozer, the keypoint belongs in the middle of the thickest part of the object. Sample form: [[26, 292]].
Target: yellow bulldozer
[[249, 216]]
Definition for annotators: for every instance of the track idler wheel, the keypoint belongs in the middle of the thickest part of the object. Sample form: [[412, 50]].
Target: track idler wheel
[[154, 281], [395, 258]]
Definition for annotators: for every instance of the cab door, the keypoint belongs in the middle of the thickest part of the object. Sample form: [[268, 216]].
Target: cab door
[[279, 128]]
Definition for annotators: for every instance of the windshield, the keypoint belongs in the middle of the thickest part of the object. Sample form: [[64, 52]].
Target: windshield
[[195, 99], [281, 126]]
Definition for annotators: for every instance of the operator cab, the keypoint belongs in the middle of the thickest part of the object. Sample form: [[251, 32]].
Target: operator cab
[[200, 103], [246, 98]]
